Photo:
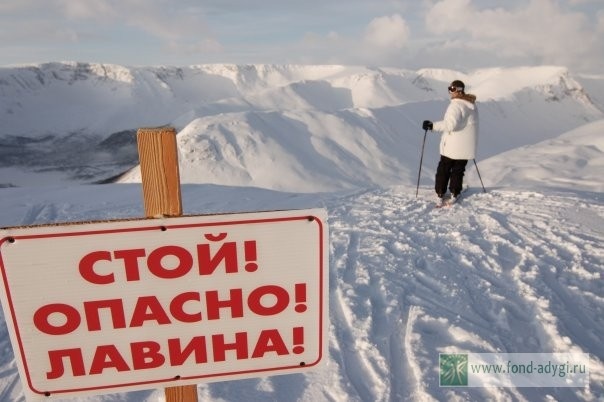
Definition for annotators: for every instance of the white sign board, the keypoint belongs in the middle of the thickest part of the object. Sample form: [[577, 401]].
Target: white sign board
[[116, 306]]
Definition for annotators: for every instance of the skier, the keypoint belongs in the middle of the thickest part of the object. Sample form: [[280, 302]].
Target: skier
[[459, 129]]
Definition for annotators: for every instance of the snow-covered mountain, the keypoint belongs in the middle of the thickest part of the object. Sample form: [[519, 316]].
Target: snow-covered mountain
[[326, 127], [518, 269]]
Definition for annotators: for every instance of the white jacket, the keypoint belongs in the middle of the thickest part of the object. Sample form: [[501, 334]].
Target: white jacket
[[460, 128]]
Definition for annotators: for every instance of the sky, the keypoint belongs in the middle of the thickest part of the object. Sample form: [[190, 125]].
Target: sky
[[457, 34]]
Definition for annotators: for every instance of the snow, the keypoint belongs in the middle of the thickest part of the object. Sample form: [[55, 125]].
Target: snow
[[516, 269], [572, 160]]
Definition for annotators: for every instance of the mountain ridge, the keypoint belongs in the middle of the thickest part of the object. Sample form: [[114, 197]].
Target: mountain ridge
[[63, 115]]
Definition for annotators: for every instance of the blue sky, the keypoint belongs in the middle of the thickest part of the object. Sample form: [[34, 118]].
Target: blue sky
[[457, 34]]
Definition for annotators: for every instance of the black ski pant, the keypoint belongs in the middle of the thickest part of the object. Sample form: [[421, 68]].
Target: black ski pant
[[449, 172]]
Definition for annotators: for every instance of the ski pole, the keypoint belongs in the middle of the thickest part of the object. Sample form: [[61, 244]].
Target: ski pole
[[478, 171], [421, 159]]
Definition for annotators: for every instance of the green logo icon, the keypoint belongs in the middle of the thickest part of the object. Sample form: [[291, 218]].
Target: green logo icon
[[453, 370]]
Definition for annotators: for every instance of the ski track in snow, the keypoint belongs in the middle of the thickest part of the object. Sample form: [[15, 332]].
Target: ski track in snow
[[497, 273], [507, 271]]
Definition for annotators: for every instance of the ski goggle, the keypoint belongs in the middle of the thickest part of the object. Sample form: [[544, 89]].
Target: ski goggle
[[455, 89]]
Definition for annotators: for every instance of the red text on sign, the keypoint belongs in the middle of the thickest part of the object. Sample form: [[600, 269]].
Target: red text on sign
[[166, 262], [188, 307], [151, 354]]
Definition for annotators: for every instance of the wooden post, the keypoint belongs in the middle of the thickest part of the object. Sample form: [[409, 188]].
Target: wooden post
[[184, 393], [158, 155]]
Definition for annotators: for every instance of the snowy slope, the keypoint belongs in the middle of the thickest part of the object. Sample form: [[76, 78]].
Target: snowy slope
[[86, 116], [507, 271], [518, 269], [572, 160]]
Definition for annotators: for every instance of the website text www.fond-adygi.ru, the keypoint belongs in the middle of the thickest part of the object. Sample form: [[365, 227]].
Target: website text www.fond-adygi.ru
[[514, 369]]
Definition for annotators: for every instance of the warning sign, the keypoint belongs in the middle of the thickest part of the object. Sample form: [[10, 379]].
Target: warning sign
[[122, 305]]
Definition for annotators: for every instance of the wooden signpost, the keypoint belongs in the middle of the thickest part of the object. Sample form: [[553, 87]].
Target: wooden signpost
[[168, 300], [158, 158]]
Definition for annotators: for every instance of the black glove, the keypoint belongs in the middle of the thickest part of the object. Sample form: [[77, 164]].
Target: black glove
[[427, 125]]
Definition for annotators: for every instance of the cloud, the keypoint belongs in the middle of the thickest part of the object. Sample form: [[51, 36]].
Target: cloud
[[538, 30], [153, 17], [168, 28], [389, 32], [88, 9], [460, 34], [575, 2], [379, 42]]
